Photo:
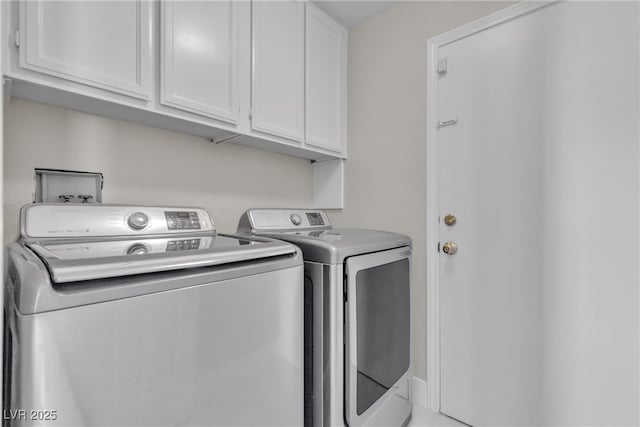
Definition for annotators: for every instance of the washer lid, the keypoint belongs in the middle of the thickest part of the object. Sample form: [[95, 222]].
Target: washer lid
[[77, 260], [332, 246]]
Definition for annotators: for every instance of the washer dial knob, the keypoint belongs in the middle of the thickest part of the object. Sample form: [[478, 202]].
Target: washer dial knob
[[295, 219], [138, 221]]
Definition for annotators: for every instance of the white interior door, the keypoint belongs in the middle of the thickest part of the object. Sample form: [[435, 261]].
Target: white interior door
[[539, 306]]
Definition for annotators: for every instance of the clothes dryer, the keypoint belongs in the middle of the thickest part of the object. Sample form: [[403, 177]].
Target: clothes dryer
[[357, 317]]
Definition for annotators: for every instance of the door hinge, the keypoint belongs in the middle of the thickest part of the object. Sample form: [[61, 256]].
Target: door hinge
[[16, 41], [442, 66], [250, 113], [438, 246], [446, 123]]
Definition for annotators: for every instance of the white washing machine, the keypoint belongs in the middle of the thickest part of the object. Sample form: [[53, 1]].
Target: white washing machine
[[357, 317], [123, 315]]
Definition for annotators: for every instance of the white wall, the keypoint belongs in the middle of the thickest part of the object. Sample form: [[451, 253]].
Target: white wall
[[143, 165], [385, 173]]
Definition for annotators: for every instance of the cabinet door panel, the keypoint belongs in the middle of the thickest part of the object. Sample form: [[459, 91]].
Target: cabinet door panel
[[199, 57], [104, 44], [278, 68], [325, 84]]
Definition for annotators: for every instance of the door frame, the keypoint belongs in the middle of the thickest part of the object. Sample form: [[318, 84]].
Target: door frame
[[432, 196]]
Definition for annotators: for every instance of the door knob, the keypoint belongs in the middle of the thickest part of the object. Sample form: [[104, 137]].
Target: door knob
[[450, 219], [450, 248]]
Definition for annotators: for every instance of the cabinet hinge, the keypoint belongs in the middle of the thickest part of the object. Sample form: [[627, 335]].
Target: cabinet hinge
[[16, 41], [442, 66]]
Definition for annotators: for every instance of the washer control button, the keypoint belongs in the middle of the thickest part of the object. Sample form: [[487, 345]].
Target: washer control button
[[295, 219], [138, 221]]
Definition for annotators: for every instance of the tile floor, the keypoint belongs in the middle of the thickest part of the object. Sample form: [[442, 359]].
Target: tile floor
[[423, 417]]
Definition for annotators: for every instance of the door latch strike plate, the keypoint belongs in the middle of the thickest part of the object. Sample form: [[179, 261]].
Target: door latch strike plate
[[447, 123]]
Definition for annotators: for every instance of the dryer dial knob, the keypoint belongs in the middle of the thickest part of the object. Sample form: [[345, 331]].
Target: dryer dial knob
[[138, 221], [295, 219]]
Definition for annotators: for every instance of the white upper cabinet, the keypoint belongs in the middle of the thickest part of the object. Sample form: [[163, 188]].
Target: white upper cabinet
[[267, 74], [103, 44], [278, 68], [199, 57], [325, 81]]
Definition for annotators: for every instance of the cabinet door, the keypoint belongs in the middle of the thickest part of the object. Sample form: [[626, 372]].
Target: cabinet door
[[278, 68], [198, 57], [104, 44], [325, 81]]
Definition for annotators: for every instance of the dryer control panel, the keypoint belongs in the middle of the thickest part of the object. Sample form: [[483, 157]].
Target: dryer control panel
[[283, 220]]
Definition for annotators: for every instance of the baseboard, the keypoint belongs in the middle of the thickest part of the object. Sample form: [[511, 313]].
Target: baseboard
[[419, 391]]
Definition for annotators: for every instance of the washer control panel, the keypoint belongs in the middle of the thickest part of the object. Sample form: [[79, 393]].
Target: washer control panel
[[81, 220], [181, 220], [287, 219]]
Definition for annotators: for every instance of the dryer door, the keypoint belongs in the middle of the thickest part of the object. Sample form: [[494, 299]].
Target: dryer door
[[378, 362]]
